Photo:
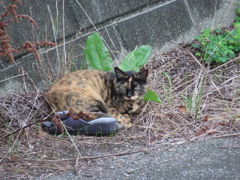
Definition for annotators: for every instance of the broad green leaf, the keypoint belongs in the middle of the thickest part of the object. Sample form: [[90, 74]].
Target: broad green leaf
[[238, 11], [195, 45], [232, 55], [237, 18], [223, 59], [151, 96], [237, 48], [198, 54], [206, 32], [97, 55], [135, 59], [198, 38], [218, 30]]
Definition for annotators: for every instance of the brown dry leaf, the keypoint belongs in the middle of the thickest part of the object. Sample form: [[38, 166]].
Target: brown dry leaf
[[14, 159], [77, 116], [205, 118], [183, 109], [57, 121], [41, 132]]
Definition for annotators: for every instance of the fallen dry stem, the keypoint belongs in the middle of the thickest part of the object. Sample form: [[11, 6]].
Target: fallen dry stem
[[21, 129], [88, 158]]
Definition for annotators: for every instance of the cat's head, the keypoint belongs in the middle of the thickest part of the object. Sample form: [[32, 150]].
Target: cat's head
[[131, 85]]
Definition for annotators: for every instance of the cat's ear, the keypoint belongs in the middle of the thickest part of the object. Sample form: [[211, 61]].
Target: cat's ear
[[120, 74], [143, 73]]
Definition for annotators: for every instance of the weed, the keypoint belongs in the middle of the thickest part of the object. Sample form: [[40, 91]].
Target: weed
[[72, 65], [193, 102], [98, 57], [111, 134], [228, 109], [168, 92], [135, 59], [5, 47], [150, 95], [38, 156], [81, 66], [86, 129], [217, 45], [99, 133], [238, 13], [10, 140]]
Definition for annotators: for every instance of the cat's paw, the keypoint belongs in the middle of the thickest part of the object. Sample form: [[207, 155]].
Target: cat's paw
[[120, 126], [125, 121], [127, 125]]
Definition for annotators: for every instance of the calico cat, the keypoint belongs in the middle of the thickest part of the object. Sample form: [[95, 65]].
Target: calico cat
[[100, 93]]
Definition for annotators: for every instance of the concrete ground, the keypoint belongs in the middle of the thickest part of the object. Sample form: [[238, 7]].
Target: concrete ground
[[211, 159]]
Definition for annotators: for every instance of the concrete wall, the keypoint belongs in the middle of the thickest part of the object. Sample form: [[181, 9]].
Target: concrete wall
[[123, 24]]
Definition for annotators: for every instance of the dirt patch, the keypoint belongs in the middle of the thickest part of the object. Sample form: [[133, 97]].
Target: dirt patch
[[197, 102]]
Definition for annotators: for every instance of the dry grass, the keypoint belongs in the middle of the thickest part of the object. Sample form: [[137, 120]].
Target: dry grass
[[31, 151], [218, 108]]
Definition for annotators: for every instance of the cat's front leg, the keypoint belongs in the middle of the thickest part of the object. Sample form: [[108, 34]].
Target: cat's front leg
[[122, 119]]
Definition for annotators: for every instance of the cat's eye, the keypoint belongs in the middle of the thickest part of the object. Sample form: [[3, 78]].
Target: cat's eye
[[137, 87], [122, 87]]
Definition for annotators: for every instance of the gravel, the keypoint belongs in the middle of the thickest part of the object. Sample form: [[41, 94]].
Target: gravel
[[216, 158]]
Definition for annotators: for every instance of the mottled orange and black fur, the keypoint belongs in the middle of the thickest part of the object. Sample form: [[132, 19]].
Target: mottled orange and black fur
[[100, 93]]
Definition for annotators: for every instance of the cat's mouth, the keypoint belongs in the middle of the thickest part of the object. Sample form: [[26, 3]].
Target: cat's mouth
[[132, 98]]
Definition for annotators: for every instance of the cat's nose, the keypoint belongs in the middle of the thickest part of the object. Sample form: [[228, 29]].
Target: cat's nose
[[129, 94]]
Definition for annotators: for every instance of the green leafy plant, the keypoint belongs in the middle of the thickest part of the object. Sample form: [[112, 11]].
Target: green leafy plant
[[136, 59], [217, 45], [238, 13], [168, 92], [151, 96], [193, 102], [98, 57]]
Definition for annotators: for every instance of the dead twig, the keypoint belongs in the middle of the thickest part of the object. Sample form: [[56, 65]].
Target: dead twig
[[87, 157], [212, 70], [13, 77], [227, 135], [20, 129], [206, 72]]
